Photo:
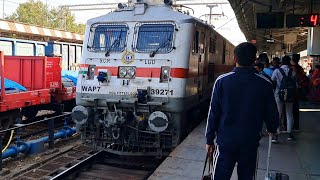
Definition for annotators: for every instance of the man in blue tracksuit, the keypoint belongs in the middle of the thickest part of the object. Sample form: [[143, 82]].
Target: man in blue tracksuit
[[241, 101]]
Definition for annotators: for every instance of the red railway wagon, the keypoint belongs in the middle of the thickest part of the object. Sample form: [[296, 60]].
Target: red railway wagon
[[30, 73], [34, 72], [41, 76], [41, 72]]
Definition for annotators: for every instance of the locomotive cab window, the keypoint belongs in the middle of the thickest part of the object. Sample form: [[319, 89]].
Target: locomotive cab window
[[195, 45], [108, 38], [155, 38], [202, 43], [224, 50], [212, 47]]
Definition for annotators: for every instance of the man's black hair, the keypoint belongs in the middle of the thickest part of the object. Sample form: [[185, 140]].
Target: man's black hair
[[276, 59], [263, 57], [245, 53], [285, 60], [259, 65], [296, 58]]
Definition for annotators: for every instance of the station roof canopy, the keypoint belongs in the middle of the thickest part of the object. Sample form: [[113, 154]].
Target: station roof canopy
[[274, 40], [26, 31]]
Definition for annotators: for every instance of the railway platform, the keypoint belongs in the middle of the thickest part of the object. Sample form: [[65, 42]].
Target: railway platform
[[299, 159]]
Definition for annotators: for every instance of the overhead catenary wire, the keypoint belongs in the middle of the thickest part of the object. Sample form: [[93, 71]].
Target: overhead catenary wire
[[235, 16]]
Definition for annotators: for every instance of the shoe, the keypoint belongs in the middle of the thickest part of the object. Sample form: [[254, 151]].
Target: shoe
[[274, 139], [297, 130], [282, 130], [291, 137]]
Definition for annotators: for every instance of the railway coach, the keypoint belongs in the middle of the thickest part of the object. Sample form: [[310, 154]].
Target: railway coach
[[146, 75], [70, 53]]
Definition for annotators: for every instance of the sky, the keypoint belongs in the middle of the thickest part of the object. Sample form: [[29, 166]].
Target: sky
[[227, 25]]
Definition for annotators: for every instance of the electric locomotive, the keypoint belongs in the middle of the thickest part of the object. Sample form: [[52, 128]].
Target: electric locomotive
[[146, 74]]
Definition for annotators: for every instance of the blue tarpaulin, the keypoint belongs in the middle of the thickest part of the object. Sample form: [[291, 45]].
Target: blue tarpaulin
[[11, 85], [73, 79], [72, 75]]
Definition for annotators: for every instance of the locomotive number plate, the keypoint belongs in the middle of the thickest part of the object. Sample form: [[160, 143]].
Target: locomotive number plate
[[162, 92]]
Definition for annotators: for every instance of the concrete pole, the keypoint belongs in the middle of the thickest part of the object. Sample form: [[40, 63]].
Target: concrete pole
[[210, 15], [3, 9]]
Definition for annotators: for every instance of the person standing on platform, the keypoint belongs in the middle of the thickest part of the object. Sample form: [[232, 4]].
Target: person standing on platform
[[303, 88], [285, 100], [263, 57], [315, 84], [275, 63], [259, 67], [241, 100]]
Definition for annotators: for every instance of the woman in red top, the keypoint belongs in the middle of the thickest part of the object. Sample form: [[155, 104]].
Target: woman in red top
[[315, 84]]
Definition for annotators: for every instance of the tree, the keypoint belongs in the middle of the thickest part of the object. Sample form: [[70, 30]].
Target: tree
[[38, 13]]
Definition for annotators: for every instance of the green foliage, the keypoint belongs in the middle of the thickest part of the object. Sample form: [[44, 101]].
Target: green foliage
[[38, 13]]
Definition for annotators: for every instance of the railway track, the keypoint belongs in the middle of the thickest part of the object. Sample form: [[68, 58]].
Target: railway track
[[104, 166], [82, 163]]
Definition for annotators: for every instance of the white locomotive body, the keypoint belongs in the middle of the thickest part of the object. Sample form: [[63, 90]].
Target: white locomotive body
[[146, 73]]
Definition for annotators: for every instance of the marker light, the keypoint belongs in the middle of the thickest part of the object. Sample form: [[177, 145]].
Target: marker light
[[165, 74], [91, 71]]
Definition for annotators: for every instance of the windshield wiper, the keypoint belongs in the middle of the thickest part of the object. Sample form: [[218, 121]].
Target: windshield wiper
[[153, 53], [114, 43]]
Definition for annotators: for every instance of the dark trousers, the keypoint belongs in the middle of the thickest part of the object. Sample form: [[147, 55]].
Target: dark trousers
[[224, 160], [296, 119]]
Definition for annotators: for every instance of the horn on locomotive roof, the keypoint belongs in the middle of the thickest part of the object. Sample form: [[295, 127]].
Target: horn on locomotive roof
[[120, 6], [168, 2], [151, 2]]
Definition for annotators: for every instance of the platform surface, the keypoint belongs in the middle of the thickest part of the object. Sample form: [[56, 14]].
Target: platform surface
[[299, 159]]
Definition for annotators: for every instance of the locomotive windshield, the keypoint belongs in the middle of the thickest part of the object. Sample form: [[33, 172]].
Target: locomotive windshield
[[108, 38], [155, 38]]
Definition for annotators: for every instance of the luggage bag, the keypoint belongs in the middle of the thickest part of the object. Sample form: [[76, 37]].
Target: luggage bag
[[209, 160], [273, 175]]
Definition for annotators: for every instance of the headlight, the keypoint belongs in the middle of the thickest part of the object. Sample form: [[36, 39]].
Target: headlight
[[131, 72], [128, 72], [122, 72]]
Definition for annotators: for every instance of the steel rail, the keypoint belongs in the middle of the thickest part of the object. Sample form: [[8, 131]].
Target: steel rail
[[77, 167]]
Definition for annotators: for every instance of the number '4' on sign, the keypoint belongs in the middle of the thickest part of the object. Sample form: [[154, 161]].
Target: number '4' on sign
[[314, 19]]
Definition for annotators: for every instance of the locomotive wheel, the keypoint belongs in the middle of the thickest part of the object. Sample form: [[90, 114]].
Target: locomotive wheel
[[7, 121]]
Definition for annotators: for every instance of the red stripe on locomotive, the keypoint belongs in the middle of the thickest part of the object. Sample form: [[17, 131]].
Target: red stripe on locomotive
[[151, 72]]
